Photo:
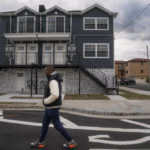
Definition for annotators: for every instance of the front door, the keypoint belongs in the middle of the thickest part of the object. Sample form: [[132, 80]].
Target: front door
[[60, 54], [32, 54], [20, 80], [47, 54]]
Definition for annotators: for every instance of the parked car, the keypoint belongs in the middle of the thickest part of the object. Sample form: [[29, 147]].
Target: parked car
[[127, 81]]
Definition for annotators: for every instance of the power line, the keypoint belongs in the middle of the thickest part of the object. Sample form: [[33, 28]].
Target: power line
[[134, 18]]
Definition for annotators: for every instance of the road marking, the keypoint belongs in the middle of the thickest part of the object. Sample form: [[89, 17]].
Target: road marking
[[136, 123], [67, 122], [97, 139], [79, 127]]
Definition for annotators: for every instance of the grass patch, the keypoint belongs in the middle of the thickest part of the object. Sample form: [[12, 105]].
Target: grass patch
[[85, 97], [2, 94], [131, 95], [23, 97]]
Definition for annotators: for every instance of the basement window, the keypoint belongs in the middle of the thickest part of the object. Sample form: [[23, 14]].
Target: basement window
[[20, 74]]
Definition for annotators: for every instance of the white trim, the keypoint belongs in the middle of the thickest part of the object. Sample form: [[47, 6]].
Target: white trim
[[25, 7], [18, 17], [101, 8], [55, 7], [55, 23], [96, 29], [96, 50], [17, 45]]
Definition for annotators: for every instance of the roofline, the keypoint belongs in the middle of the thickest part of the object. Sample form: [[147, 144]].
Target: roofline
[[61, 9], [54, 7], [100, 7], [26, 7], [138, 60]]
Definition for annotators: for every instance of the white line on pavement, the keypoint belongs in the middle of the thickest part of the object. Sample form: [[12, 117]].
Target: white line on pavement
[[80, 127], [98, 139], [136, 123], [67, 122]]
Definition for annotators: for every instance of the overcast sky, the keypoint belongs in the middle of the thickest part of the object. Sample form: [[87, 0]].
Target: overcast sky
[[129, 43]]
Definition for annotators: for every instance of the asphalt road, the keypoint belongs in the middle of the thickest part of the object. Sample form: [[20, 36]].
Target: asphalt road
[[19, 128], [145, 87]]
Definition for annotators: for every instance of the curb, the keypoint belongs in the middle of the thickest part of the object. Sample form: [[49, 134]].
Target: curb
[[90, 112], [93, 112]]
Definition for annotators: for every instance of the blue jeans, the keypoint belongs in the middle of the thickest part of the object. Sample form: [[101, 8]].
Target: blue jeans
[[53, 115]]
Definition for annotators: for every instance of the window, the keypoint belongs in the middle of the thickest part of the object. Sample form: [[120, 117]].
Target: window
[[20, 74], [90, 51], [142, 63], [60, 48], [48, 47], [21, 48], [90, 24], [126, 71], [96, 23], [55, 24], [96, 50], [102, 50], [142, 71], [32, 48], [126, 64], [26, 24]]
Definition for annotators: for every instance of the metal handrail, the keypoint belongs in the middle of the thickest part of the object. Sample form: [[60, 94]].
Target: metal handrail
[[94, 67], [38, 27]]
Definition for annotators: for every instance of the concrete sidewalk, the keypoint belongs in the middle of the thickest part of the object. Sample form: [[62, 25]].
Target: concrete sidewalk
[[115, 106], [135, 90]]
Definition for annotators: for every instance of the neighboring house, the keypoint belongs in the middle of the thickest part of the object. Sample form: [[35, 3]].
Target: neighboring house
[[120, 69], [80, 44], [137, 68]]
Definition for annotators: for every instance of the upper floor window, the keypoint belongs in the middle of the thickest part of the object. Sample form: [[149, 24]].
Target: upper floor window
[[96, 23], [96, 50], [26, 24], [55, 24]]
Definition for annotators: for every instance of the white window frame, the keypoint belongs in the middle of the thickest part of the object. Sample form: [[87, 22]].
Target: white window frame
[[96, 23], [25, 23], [55, 24], [96, 57]]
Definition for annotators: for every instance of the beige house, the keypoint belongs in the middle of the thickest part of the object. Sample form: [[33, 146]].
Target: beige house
[[137, 68], [120, 68]]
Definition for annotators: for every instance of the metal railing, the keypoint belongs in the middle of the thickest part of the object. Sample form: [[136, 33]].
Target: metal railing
[[38, 27]]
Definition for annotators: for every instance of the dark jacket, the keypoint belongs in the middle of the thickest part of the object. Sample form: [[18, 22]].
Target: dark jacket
[[47, 92]]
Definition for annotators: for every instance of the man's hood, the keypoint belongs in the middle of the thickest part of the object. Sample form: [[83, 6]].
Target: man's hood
[[55, 76]]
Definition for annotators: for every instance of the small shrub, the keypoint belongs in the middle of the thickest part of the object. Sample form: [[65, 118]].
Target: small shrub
[[147, 80]]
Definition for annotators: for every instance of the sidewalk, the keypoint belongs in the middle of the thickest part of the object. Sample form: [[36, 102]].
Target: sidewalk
[[113, 107], [135, 90]]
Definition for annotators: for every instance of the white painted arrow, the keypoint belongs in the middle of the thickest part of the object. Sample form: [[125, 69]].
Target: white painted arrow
[[97, 139]]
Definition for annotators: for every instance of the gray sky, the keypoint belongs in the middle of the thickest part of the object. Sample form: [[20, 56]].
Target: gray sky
[[130, 43]]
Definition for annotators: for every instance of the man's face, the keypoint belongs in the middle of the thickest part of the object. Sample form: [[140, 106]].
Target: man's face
[[48, 71]]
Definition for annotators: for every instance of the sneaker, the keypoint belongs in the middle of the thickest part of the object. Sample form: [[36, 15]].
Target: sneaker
[[37, 144], [70, 145]]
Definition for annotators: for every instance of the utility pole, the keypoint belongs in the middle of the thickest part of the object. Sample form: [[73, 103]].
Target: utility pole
[[147, 51]]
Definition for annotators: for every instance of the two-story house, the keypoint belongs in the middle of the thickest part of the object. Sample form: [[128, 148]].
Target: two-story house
[[80, 44]]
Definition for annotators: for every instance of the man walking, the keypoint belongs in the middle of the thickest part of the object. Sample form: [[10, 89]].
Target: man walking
[[52, 101]]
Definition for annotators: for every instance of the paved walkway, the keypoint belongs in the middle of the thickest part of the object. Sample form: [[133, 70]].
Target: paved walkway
[[115, 106], [135, 90]]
